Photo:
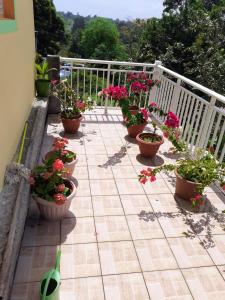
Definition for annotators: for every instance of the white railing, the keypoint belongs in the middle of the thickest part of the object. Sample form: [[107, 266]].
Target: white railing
[[201, 110]]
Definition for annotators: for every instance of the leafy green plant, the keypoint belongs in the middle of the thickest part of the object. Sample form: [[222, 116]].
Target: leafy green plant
[[43, 70]]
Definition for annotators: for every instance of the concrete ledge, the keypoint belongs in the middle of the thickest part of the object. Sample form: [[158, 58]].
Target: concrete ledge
[[15, 198]]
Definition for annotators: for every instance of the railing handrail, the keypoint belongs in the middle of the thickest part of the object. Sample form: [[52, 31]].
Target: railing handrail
[[106, 62], [194, 84]]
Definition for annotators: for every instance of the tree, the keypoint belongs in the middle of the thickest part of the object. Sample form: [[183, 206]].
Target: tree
[[49, 27], [101, 40]]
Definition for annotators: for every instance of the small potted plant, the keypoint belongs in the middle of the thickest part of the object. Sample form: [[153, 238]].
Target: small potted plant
[[149, 143], [53, 193], [42, 82], [68, 157], [136, 123], [193, 175], [72, 106]]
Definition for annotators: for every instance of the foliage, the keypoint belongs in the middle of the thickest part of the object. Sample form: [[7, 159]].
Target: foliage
[[49, 27], [42, 70]]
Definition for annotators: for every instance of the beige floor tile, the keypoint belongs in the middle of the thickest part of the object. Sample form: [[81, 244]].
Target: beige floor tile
[[78, 230], [105, 187], [124, 172], [125, 287], [96, 172], [118, 159], [25, 291], [168, 285], [97, 160], [118, 257], [189, 253], [112, 228], [155, 255], [113, 141], [42, 234], [141, 229], [207, 223], [129, 187], [164, 203], [107, 205], [95, 149], [120, 150], [175, 225], [82, 161], [34, 262], [205, 283], [217, 200], [83, 189], [82, 289], [157, 187], [80, 260], [92, 140], [135, 204], [80, 207], [217, 250], [80, 173], [222, 270], [138, 160]]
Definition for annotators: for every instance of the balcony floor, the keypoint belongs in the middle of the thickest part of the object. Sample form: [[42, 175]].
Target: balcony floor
[[122, 240]]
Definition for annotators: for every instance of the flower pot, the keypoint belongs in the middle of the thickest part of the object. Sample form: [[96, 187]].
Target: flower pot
[[134, 130], [133, 110], [42, 87], [68, 166], [148, 149], [53, 105], [185, 189], [71, 125], [52, 211]]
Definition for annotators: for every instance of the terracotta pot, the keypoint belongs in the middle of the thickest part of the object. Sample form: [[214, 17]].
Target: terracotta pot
[[148, 149], [71, 125], [134, 130], [53, 105], [52, 211], [185, 189], [68, 166]]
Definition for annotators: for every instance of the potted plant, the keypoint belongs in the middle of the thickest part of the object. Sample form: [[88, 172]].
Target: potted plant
[[59, 151], [136, 123], [71, 106], [149, 143], [192, 175], [42, 82], [53, 193]]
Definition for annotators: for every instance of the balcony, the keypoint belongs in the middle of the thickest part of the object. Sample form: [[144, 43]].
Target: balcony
[[122, 240]]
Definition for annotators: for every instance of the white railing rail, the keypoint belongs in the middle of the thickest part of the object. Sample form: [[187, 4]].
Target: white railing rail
[[201, 110]]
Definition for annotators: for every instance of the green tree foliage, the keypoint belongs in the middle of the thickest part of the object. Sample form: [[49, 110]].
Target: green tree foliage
[[101, 40], [49, 27]]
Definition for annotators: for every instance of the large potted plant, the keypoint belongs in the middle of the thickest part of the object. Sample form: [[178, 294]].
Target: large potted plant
[[193, 175], [72, 106], [53, 193], [42, 82], [59, 151], [136, 123]]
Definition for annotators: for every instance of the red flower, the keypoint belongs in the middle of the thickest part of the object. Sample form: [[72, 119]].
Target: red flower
[[59, 199], [165, 134], [152, 178], [32, 180], [149, 82], [80, 105], [144, 113], [46, 175], [116, 92], [153, 104], [223, 187], [138, 87], [60, 188], [172, 121], [54, 82], [143, 180], [59, 143], [57, 165]]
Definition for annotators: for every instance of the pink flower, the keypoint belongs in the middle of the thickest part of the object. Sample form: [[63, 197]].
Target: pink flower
[[116, 92], [32, 180], [59, 199], [59, 143], [80, 105], [64, 152], [223, 187], [152, 178], [165, 134], [54, 82], [172, 121], [144, 113], [149, 82], [153, 104], [60, 188], [138, 87], [57, 165]]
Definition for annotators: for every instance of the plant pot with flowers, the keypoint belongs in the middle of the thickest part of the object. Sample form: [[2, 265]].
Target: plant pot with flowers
[[193, 175], [53, 193], [149, 142], [136, 123], [71, 106], [59, 151]]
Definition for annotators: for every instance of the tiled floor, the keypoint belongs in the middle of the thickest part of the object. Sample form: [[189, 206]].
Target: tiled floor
[[121, 240]]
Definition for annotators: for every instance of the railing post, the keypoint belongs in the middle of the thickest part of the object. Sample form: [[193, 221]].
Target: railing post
[[157, 72], [206, 123], [107, 85], [175, 97], [54, 62]]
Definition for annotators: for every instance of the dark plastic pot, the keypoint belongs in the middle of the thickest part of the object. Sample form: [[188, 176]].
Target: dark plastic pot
[[185, 189], [148, 149], [71, 125], [53, 105], [42, 87]]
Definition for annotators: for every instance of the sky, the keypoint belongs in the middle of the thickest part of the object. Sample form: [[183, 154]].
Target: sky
[[122, 9]]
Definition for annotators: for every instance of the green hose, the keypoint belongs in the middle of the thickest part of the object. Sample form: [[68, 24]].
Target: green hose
[[20, 155]]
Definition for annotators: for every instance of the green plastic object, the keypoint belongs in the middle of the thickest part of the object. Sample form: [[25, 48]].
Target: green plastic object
[[50, 283], [42, 87]]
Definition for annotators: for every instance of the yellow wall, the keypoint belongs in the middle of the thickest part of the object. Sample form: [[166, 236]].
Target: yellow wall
[[17, 54]]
